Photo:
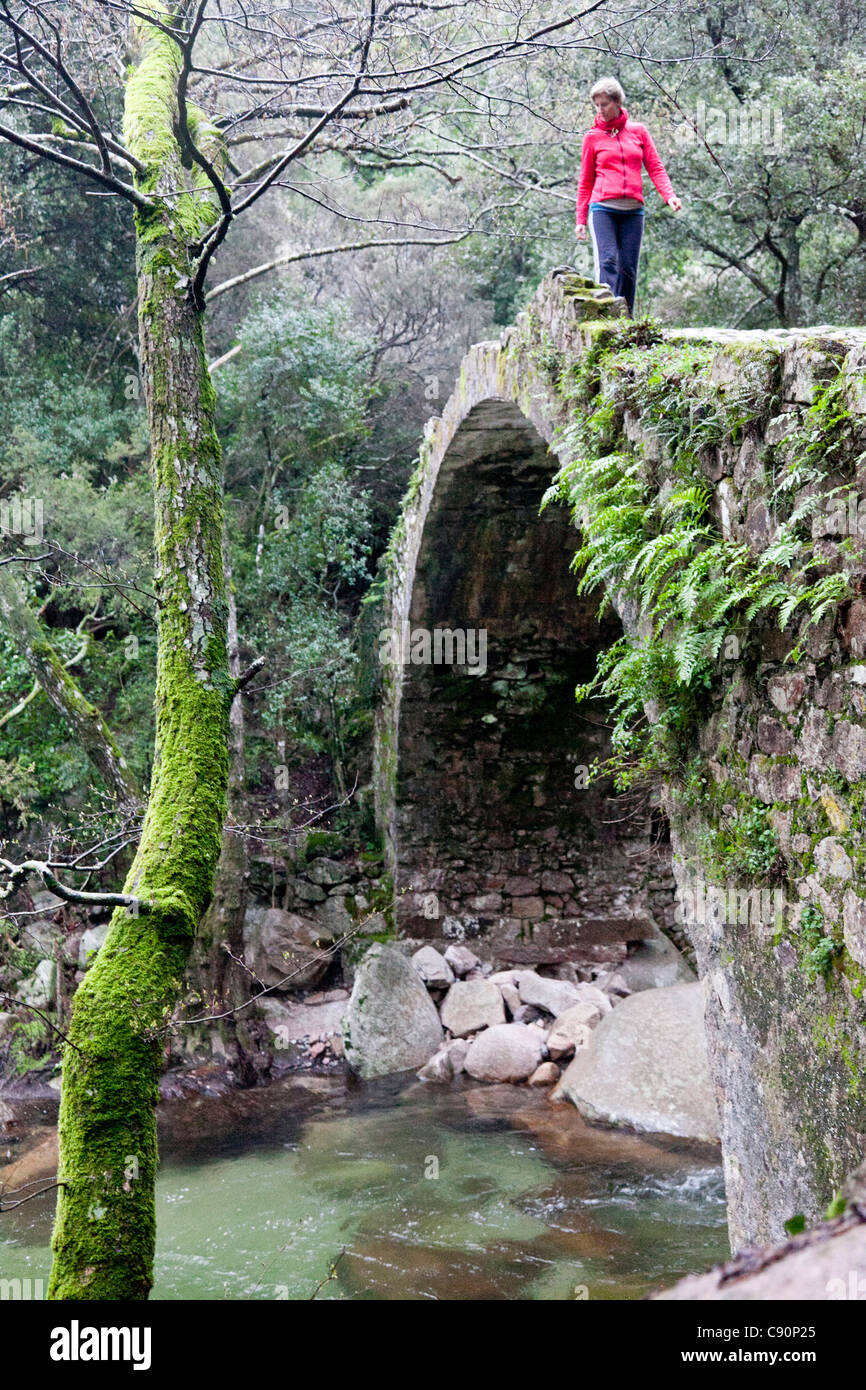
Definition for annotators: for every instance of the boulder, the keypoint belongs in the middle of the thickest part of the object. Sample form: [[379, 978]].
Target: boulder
[[42, 936], [91, 941], [391, 1024], [511, 996], [461, 960], [39, 988], [554, 996], [571, 1030], [433, 968], [333, 918], [457, 1050], [326, 872], [545, 1075], [505, 1052], [655, 963], [470, 1005], [591, 994], [439, 1068], [294, 1021], [284, 949], [646, 1066]]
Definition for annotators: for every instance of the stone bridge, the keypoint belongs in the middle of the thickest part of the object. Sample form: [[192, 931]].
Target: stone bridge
[[493, 829]]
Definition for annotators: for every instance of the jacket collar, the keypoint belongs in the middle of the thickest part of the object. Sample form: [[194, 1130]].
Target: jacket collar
[[615, 126]]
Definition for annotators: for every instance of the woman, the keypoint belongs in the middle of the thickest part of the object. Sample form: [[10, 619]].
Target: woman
[[610, 189]]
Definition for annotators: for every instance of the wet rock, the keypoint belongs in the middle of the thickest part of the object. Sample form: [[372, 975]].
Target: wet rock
[[505, 1052], [457, 1050], [470, 1005], [391, 1024], [646, 1066], [440, 1068], [433, 968]]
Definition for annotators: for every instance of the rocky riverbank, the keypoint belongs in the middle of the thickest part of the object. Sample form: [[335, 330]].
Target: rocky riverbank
[[626, 1047]]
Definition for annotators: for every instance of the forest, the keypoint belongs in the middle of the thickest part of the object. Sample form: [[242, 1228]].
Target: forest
[[274, 878]]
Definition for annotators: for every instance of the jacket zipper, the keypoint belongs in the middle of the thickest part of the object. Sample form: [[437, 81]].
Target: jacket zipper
[[622, 157]]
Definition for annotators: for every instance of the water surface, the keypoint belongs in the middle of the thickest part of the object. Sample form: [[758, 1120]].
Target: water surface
[[400, 1190]]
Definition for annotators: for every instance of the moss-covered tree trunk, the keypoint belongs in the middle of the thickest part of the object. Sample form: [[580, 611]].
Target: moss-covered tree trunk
[[105, 1228]]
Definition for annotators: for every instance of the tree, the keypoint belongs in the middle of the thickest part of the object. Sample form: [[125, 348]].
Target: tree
[[332, 82]]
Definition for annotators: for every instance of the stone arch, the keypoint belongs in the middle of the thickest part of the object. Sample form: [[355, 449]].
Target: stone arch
[[786, 991], [491, 829]]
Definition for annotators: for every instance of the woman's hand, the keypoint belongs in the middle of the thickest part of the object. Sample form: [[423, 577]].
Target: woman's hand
[[674, 203], [581, 234]]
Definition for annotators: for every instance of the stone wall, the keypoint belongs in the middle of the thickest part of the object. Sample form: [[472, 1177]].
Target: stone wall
[[485, 831]]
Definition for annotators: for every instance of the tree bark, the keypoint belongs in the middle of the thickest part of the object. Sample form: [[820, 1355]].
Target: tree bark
[[105, 1228]]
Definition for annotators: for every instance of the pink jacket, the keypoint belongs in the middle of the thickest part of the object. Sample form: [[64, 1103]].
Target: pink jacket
[[611, 166]]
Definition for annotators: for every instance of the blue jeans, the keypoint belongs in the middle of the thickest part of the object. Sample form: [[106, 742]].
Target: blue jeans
[[616, 238]]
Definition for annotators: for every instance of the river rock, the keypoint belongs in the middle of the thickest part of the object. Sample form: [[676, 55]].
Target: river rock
[[284, 949], [439, 1068], [505, 1052], [646, 1066], [571, 1030], [433, 968], [591, 994], [554, 996], [655, 963], [391, 1024], [511, 996], [461, 960], [294, 1021], [545, 1075], [470, 1005], [457, 1050]]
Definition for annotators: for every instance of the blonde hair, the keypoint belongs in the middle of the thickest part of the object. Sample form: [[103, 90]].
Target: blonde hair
[[611, 88]]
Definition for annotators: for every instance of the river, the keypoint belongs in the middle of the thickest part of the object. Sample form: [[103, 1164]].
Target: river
[[397, 1190]]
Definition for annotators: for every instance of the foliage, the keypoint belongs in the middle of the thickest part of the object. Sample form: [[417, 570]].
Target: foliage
[[744, 846], [820, 949], [660, 550]]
